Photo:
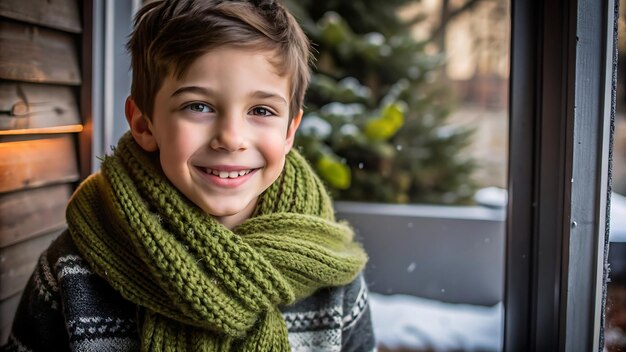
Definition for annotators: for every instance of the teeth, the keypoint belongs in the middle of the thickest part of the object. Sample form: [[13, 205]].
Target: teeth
[[227, 174]]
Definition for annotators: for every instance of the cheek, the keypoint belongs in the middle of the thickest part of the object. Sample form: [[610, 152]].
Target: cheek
[[274, 147], [176, 150]]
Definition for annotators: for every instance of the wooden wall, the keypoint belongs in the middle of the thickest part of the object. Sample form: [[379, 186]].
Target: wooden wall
[[42, 93]]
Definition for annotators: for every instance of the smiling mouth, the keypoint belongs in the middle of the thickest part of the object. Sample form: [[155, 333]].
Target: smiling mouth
[[226, 174]]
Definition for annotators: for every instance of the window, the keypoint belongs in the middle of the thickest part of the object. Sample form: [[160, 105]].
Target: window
[[407, 122]]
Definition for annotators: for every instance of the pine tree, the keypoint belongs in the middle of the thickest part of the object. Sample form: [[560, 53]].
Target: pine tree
[[374, 123]]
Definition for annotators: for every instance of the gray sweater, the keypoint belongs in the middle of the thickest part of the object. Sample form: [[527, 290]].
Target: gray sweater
[[67, 307]]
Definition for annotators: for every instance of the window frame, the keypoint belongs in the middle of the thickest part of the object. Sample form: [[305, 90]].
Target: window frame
[[111, 21], [561, 116]]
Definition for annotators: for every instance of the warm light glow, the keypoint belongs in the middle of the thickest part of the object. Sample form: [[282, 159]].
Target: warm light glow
[[44, 130]]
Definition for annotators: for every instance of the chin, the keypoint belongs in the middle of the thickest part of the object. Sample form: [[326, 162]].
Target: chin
[[229, 210], [221, 214], [224, 211]]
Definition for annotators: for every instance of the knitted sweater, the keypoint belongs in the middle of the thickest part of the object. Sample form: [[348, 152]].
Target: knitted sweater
[[67, 307]]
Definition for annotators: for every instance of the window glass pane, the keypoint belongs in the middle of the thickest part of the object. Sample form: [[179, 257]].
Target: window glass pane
[[615, 315], [406, 120]]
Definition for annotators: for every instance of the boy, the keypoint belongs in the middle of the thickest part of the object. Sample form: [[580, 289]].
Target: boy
[[203, 231]]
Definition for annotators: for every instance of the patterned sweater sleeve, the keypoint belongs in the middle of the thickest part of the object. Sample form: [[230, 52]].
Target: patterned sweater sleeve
[[66, 307], [357, 332], [39, 324]]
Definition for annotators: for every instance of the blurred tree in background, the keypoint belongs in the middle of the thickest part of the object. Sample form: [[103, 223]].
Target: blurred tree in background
[[374, 126]]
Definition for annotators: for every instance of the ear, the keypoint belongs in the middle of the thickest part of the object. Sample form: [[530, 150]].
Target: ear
[[140, 126], [291, 131]]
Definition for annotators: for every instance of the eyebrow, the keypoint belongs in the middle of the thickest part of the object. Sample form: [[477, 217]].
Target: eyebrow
[[192, 89], [259, 94]]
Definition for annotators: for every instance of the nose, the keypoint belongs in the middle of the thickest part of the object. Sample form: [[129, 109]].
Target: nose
[[229, 134]]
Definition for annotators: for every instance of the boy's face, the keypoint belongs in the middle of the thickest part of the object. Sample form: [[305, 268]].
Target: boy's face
[[222, 130]]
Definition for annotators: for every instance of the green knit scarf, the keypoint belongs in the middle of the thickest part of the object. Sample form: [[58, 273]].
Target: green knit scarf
[[198, 285]]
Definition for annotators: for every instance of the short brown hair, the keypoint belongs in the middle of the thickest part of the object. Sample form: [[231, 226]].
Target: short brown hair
[[170, 35]]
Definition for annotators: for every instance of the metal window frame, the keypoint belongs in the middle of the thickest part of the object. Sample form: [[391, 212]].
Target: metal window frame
[[561, 110], [111, 21]]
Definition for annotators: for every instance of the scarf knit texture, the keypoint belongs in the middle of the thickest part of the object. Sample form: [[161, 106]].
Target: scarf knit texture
[[198, 285]]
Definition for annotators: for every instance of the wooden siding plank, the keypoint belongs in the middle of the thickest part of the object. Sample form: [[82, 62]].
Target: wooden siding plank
[[34, 54], [35, 106], [57, 14], [18, 261], [41, 131], [30, 213], [37, 162], [8, 308]]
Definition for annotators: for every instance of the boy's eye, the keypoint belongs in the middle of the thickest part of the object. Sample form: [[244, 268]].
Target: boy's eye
[[261, 111], [198, 107]]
